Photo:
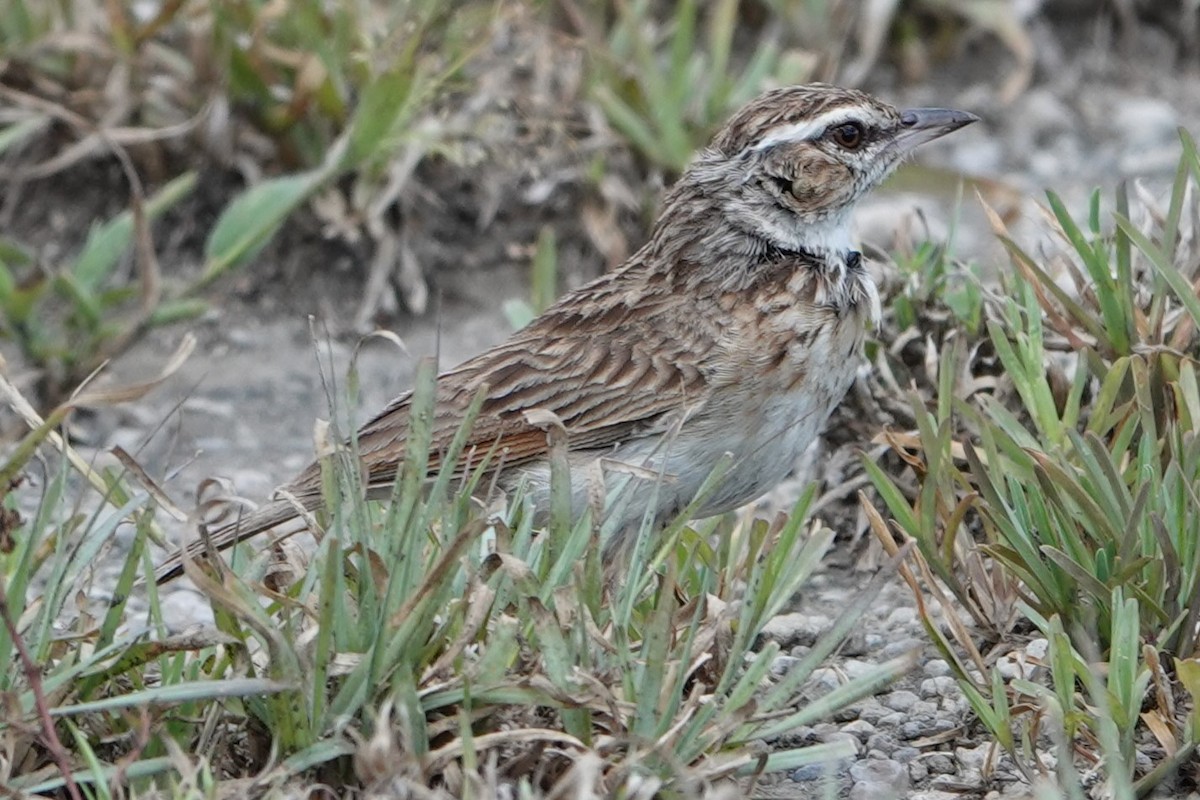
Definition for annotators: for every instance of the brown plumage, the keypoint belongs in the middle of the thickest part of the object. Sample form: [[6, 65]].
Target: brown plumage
[[734, 329]]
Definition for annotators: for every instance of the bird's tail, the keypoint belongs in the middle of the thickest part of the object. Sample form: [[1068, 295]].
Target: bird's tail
[[268, 516]]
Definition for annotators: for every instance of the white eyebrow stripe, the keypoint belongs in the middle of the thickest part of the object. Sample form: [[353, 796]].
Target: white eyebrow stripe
[[802, 131]]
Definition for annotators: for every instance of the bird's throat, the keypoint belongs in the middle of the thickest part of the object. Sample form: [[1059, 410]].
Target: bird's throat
[[827, 238]]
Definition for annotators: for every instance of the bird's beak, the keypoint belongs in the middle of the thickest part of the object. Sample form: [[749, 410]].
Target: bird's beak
[[921, 125]]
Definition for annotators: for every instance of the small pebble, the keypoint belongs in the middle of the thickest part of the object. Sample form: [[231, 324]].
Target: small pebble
[[1008, 667], [900, 648], [942, 686], [936, 667], [1043, 115], [856, 644], [800, 736], [1144, 121], [810, 772], [922, 708], [855, 668], [822, 681], [794, 629], [848, 738], [972, 760], [1037, 648], [884, 772], [902, 700], [953, 705], [872, 712], [884, 743], [861, 729], [925, 726], [846, 715], [941, 764], [871, 790], [782, 665], [183, 609]]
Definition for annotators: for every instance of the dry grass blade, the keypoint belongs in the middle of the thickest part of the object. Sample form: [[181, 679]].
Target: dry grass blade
[[43, 429], [885, 537]]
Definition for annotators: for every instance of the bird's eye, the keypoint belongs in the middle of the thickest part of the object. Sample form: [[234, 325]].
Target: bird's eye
[[849, 135]]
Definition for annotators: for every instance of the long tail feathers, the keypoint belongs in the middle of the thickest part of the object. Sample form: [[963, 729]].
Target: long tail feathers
[[274, 513]]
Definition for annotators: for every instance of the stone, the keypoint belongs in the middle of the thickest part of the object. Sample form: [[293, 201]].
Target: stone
[[855, 644], [854, 668], [953, 706], [883, 742], [185, 609], [782, 665], [795, 628], [846, 715], [1042, 115], [1009, 667], [871, 711], [901, 700], [810, 772], [942, 686], [848, 738], [883, 772], [859, 728], [980, 156], [901, 617], [901, 647], [870, 790], [1037, 648], [1143, 121], [923, 708], [971, 762], [941, 764], [936, 667], [823, 680]]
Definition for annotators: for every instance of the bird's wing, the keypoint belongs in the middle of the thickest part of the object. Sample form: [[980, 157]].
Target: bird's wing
[[603, 389], [607, 373]]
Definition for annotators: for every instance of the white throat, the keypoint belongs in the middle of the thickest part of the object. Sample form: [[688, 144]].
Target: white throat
[[829, 238]]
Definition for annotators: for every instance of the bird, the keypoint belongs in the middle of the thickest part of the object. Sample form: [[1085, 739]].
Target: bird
[[732, 333]]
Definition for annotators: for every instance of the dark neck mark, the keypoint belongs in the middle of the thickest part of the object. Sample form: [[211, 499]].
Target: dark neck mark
[[774, 254]]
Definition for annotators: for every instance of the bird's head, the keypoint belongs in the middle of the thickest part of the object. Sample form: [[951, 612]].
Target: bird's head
[[794, 161]]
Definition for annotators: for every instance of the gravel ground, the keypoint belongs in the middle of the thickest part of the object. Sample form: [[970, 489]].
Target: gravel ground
[[244, 404]]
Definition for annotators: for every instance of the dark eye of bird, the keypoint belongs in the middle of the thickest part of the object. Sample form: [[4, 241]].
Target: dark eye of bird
[[849, 135]]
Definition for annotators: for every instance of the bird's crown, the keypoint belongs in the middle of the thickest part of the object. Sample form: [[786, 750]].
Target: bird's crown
[[803, 114]]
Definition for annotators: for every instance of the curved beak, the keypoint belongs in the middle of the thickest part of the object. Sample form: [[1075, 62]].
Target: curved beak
[[921, 125]]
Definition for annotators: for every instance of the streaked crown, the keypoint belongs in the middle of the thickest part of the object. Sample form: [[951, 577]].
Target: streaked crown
[[801, 113]]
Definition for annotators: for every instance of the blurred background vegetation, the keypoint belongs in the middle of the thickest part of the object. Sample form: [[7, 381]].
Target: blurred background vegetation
[[1028, 431]]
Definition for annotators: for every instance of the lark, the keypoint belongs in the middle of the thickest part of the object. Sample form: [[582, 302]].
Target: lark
[[732, 333]]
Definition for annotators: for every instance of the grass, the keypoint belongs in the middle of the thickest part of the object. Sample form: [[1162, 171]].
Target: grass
[[331, 93], [1046, 487], [402, 652], [1068, 501]]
